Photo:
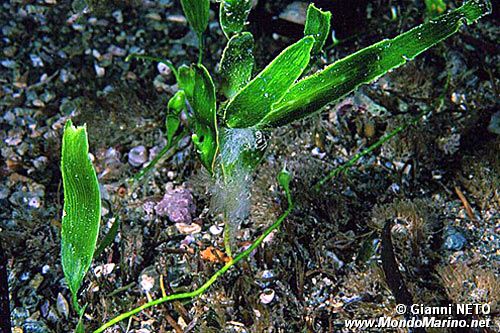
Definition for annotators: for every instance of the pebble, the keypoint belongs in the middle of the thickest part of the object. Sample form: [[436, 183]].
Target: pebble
[[45, 269], [267, 296], [336, 261], [103, 270], [454, 240], [295, 12], [164, 69], [153, 16], [147, 279], [118, 15], [188, 229], [216, 230], [137, 156], [180, 19], [117, 51], [36, 60], [100, 71], [62, 306], [494, 125]]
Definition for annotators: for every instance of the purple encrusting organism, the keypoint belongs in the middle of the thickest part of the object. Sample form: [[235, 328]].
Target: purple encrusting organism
[[178, 205]]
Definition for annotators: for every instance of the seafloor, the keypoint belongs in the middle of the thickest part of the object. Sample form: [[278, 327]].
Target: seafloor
[[437, 181]]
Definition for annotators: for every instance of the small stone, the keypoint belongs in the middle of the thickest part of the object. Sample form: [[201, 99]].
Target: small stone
[[215, 230], [9, 64], [36, 281], [137, 156], [147, 279], [38, 103], [179, 19], [188, 240], [64, 76], [45, 269], [15, 139], [103, 270], [267, 296], [100, 71], [163, 69], [96, 54], [153, 16], [118, 15], [454, 240], [188, 229], [316, 152], [34, 202], [494, 126], [295, 12], [117, 51], [36, 60], [62, 306]]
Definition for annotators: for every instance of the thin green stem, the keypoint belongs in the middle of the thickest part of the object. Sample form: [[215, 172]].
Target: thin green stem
[[212, 279], [343, 168], [227, 238], [201, 44], [169, 148], [77, 306]]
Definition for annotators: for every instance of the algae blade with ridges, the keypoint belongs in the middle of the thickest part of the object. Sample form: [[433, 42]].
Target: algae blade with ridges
[[338, 79], [254, 100], [82, 207]]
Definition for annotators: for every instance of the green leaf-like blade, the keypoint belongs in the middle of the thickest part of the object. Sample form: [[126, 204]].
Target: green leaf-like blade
[[233, 15], [82, 207], [203, 99], [203, 103], [254, 101], [366, 65], [186, 80], [176, 105], [318, 26], [237, 63], [197, 13]]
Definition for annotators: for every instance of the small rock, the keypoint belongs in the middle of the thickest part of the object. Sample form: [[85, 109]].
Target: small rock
[[215, 230], [45, 269], [147, 279], [188, 229], [153, 16], [267, 296], [36, 281], [454, 240], [103, 270], [179, 19], [36, 60], [295, 12], [164, 69], [34, 202], [336, 261], [96, 54], [118, 15], [494, 126], [100, 71], [62, 306], [40, 162], [117, 51], [137, 156], [316, 152], [9, 64]]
